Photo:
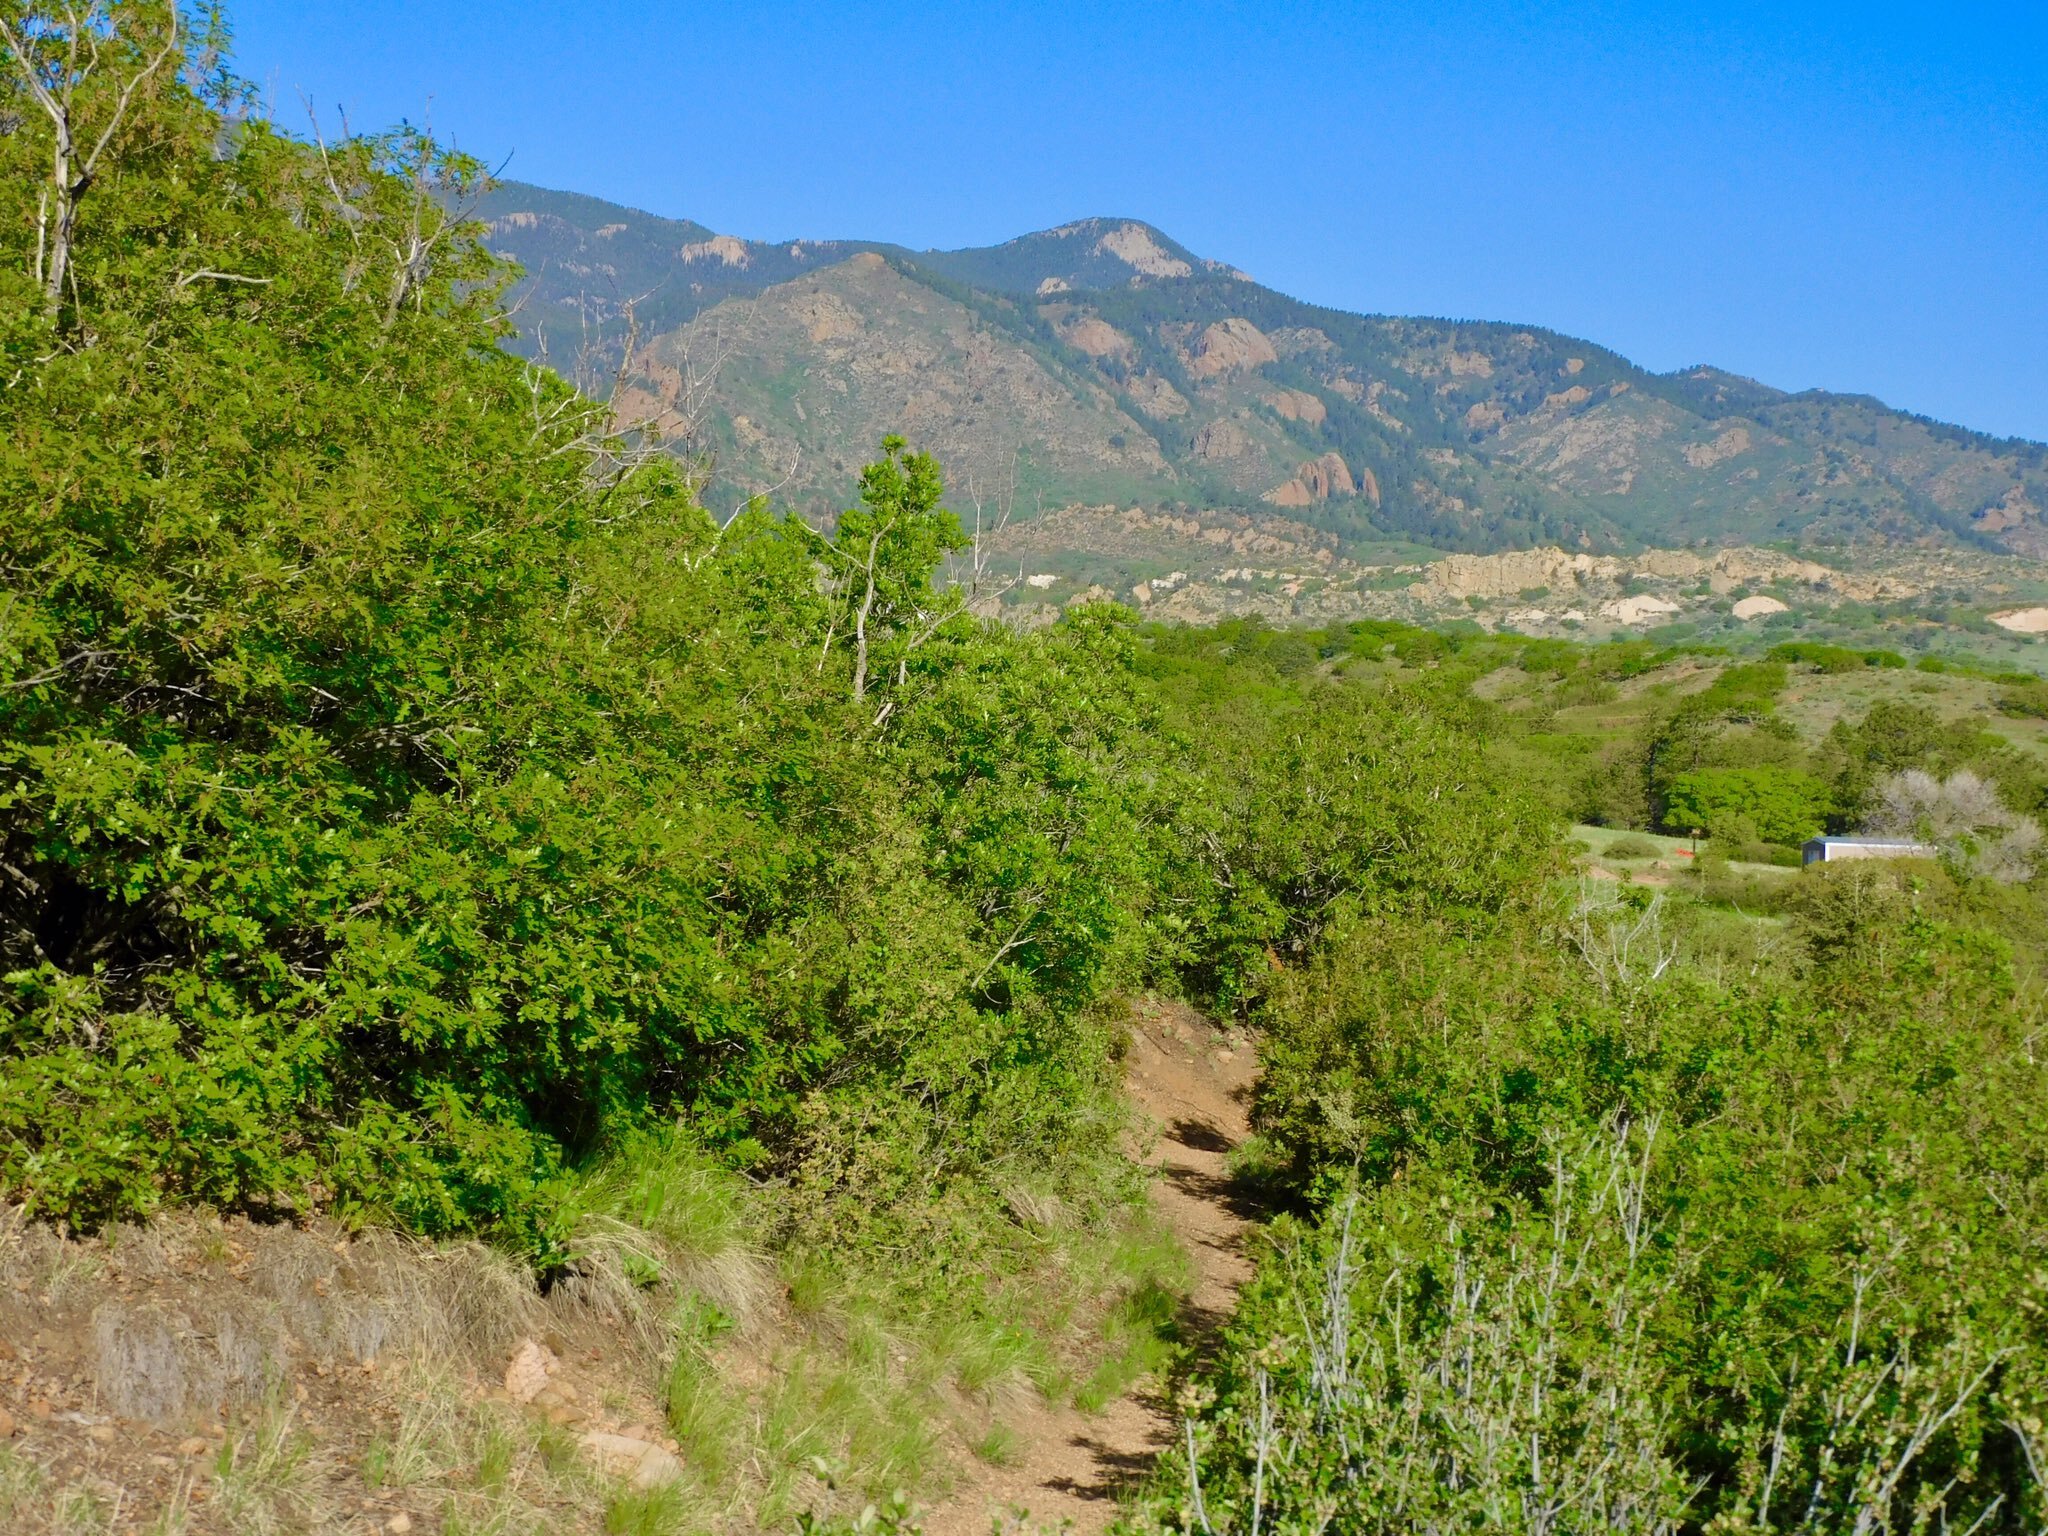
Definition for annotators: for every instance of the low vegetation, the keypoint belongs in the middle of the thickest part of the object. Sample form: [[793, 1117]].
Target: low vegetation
[[1689, 1201]]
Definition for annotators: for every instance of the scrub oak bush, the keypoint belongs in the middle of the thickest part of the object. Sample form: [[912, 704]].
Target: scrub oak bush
[[405, 787]]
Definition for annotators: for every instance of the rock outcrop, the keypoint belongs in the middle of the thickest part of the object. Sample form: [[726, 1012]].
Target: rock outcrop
[[1096, 337], [1735, 440], [1504, 575], [719, 248], [1317, 480], [1297, 405], [1155, 397], [1222, 439], [2010, 511], [1133, 244], [640, 1462], [1639, 609], [1229, 346]]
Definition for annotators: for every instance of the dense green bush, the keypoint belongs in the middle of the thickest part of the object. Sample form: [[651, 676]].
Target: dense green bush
[[1833, 658], [408, 787], [1633, 847], [1784, 855], [2028, 700], [1665, 1223], [1303, 805], [1833, 1113]]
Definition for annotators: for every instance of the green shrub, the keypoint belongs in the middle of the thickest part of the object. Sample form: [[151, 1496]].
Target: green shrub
[[1583, 690], [1747, 689], [1746, 892], [1766, 853], [409, 791], [1408, 1404], [1303, 808], [1633, 847], [2027, 700], [1659, 1194], [1833, 658]]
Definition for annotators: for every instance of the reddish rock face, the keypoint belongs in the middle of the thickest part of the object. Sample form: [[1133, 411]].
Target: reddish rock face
[[1318, 480], [1230, 346]]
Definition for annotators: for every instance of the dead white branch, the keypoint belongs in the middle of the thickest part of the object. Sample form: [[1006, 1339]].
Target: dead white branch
[[1624, 945], [207, 274], [57, 60]]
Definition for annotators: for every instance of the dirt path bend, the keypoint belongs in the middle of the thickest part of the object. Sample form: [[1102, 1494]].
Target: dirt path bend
[[1192, 1081]]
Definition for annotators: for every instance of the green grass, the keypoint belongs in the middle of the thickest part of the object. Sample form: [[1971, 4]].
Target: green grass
[[707, 1417], [1143, 1338], [999, 1447], [21, 1486], [265, 1476], [984, 1353], [828, 1359], [648, 1512], [680, 1205], [495, 1454], [1601, 839]]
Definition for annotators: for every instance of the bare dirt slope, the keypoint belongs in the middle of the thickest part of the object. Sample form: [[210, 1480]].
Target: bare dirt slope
[[1191, 1080]]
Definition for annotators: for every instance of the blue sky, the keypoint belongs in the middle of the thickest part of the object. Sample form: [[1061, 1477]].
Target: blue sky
[[1850, 196]]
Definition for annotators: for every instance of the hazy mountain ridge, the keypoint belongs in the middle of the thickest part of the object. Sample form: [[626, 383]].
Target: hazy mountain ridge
[[1104, 362]]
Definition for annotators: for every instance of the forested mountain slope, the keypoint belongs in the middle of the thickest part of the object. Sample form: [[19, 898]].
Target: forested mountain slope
[[1102, 361]]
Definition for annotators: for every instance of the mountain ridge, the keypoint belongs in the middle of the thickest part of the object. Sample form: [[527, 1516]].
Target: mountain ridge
[[1212, 391]]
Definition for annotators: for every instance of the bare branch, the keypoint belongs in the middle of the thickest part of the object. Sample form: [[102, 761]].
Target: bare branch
[[188, 278], [73, 169]]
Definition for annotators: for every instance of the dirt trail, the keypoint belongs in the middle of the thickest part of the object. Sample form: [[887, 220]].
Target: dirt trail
[[1191, 1080]]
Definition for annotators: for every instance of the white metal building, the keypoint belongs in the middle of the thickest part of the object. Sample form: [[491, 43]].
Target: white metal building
[[1826, 850]]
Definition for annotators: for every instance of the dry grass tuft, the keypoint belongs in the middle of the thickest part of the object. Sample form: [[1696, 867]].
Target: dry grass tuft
[[152, 1361], [291, 1299]]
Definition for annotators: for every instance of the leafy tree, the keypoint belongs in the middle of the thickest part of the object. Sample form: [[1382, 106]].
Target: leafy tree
[[1781, 805], [885, 553], [1964, 817], [88, 73]]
